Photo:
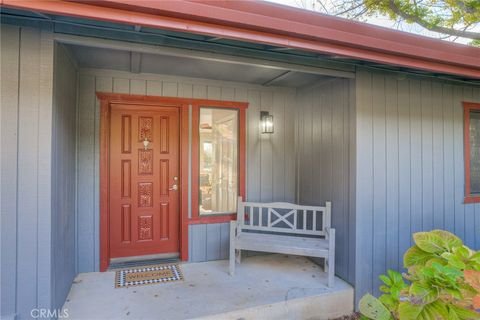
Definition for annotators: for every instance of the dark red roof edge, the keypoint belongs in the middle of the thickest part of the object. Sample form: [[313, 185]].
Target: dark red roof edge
[[277, 25]]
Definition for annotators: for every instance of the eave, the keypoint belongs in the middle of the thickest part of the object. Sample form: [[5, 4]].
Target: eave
[[266, 23]]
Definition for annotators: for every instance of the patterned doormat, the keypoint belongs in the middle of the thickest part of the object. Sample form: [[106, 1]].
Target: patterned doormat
[[147, 275]]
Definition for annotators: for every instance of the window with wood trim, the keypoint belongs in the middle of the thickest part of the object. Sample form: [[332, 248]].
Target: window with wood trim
[[218, 161], [472, 151]]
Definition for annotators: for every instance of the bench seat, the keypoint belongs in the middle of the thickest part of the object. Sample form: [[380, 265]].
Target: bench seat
[[310, 247]]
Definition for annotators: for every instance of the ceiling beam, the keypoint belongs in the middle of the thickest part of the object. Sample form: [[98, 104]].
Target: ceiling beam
[[281, 76]]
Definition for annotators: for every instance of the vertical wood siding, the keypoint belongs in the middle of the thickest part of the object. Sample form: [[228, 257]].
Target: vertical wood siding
[[63, 175], [208, 242], [26, 131], [410, 168], [325, 151], [270, 158]]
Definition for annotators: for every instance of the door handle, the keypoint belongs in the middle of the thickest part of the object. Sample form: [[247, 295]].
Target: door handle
[[173, 188]]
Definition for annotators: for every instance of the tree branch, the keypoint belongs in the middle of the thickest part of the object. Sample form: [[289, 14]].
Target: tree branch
[[457, 33]]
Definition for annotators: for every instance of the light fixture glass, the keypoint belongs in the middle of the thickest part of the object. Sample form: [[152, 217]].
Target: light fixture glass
[[266, 122]]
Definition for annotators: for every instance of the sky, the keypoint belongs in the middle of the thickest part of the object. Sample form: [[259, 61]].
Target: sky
[[377, 20]]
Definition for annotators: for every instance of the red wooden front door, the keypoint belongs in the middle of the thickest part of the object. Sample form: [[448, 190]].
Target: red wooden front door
[[143, 199]]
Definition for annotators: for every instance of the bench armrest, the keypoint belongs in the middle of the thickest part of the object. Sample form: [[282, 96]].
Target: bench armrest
[[330, 233], [234, 224]]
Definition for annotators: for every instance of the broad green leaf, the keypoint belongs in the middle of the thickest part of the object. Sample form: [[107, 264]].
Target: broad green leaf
[[449, 240], [384, 289], [462, 252], [395, 292], [429, 242], [386, 280], [388, 301], [464, 314], [476, 257], [395, 276], [436, 310], [408, 311], [416, 256], [436, 260], [423, 293], [452, 315], [447, 271], [372, 308], [456, 263]]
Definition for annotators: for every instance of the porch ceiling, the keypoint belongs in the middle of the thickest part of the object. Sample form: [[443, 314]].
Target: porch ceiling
[[138, 62]]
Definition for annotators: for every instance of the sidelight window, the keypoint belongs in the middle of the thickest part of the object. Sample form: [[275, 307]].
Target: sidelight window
[[218, 160]]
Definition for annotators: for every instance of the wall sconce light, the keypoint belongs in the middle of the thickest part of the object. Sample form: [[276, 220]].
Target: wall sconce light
[[266, 122]]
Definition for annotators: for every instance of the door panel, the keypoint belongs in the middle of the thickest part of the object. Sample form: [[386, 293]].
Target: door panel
[[144, 210]]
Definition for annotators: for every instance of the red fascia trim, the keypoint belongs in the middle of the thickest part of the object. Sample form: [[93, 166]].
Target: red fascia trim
[[268, 17], [184, 25], [467, 107]]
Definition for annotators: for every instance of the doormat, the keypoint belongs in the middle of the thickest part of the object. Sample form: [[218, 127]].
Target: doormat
[[147, 275]]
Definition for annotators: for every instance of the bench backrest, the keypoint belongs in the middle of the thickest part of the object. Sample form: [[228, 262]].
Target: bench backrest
[[284, 217]]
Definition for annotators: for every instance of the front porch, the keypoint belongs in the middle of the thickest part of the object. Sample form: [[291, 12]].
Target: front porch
[[264, 287], [311, 113]]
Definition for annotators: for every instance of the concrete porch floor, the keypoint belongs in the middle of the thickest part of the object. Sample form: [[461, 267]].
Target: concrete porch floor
[[264, 287]]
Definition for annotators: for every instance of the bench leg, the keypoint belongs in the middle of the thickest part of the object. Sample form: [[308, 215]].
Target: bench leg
[[238, 257], [331, 273], [232, 261], [331, 259], [232, 249], [325, 265]]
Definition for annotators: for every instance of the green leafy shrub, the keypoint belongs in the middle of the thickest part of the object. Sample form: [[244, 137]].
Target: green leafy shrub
[[442, 282]]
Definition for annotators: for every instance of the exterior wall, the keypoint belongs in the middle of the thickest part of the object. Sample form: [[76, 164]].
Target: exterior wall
[[326, 153], [26, 131], [63, 175], [270, 158], [208, 242], [410, 173]]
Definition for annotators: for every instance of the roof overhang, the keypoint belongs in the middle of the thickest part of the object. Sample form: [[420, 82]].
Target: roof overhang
[[261, 22]]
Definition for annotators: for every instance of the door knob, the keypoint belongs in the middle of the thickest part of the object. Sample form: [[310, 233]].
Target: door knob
[[173, 188]]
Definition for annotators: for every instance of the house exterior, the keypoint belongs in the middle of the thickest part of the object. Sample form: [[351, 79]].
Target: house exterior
[[381, 123]]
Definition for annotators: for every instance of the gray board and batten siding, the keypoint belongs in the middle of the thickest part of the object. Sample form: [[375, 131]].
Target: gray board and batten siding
[[26, 170], [270, 158], [64, 144], [325, 141], [410, 168]]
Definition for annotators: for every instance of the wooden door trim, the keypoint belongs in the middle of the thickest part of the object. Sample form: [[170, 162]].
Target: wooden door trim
[[106, 99]]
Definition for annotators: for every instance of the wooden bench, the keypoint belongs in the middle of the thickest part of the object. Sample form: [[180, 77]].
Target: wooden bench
[[280, 228]]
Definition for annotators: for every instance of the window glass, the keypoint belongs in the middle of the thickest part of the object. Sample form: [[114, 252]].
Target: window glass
[[218, 156], [475, 151]]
